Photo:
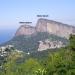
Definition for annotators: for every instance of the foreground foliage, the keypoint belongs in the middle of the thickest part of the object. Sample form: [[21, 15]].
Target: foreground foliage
[[61, 62]]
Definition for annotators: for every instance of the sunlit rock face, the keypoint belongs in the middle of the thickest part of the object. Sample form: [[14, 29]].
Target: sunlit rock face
[[25, 30], [41, 25], [47, 44], [45, 25], [53, 27]]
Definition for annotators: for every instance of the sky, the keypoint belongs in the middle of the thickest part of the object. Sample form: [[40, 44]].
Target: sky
[[14, 11]]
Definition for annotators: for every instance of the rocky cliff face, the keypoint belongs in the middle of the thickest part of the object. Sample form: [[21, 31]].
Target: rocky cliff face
[[50, 26], [53, 27], [25, 30], [47, 44]]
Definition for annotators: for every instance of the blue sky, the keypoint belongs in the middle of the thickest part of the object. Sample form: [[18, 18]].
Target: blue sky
[[13, 11]]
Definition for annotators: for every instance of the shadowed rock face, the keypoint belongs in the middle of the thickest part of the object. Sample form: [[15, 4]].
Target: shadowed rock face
[[50, 26]]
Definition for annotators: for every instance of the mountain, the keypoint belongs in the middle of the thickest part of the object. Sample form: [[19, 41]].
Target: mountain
[[47, 34], [50, 26]]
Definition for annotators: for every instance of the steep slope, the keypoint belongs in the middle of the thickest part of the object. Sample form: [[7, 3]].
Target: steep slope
[[25, 30], [45, 25], [53, 27]]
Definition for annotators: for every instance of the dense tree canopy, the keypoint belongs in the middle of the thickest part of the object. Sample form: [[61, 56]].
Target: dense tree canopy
[[72, 42]]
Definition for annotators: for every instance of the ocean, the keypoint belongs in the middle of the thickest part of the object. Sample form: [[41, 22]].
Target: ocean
[[6, 35]]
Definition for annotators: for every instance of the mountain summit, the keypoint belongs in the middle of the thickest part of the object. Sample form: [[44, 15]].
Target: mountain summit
[[45, 25], [25, 30]]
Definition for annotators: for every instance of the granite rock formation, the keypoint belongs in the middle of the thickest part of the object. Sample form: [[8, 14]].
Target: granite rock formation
[[50, 26], [25, 30], [53, 27]]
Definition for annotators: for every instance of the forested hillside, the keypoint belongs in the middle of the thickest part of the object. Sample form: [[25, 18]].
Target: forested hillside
[[31, 43]]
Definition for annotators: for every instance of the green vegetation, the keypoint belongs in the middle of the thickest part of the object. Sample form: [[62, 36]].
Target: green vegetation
[[61, 62], [30, 43], [72, 42]]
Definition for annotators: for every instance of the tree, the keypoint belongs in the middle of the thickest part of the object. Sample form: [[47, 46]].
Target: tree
[[72, 42]]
